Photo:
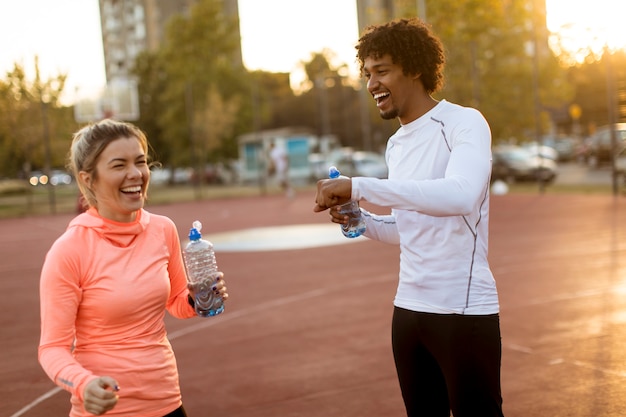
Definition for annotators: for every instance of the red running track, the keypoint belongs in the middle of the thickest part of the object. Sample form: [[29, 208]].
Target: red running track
[[306, 332]]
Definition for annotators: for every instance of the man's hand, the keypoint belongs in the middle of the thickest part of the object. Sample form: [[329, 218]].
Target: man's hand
[[332, 192]]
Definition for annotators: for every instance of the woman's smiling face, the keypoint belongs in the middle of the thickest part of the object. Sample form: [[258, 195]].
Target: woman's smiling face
[[120, 179]]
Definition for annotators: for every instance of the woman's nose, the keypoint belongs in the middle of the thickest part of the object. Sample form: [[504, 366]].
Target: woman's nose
[[134, 172]]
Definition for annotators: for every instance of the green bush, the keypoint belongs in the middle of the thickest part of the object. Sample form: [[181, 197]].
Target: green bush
[[14, 187]]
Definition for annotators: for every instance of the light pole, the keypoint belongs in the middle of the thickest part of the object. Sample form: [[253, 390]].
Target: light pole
[[537, 105], [47, 154], [610, 95], [421, 9]]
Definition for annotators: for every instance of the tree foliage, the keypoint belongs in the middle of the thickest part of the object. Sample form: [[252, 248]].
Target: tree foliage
[[490, 47], [490, 65], [592, 79], [191, 76], [195, 99], [31, 114], [592, 70]]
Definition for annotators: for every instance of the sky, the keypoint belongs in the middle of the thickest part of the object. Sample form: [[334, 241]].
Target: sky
[[66, 36], [276, 34]]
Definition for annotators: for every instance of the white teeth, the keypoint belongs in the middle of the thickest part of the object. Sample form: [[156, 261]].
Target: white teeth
[[131, 189], [379, 95]]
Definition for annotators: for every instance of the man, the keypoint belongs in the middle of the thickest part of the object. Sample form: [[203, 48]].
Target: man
[[279, 166], [445, 327]]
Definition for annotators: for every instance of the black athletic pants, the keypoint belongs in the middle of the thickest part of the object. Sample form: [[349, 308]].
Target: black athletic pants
[[448, 362], [179, 412]]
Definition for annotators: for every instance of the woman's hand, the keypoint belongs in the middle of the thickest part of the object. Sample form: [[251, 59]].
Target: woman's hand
[[100, 395], [219, 287]]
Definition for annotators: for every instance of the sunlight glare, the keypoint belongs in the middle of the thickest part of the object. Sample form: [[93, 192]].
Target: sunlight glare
[[585, 27]]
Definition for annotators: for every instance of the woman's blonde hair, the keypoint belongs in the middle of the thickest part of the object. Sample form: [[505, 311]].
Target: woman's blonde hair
[[90, 141]]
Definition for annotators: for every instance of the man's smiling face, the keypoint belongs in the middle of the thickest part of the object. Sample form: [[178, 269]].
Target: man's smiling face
[[390, 87]]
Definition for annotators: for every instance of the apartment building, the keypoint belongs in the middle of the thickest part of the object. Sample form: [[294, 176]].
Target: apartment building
[[132, 26]]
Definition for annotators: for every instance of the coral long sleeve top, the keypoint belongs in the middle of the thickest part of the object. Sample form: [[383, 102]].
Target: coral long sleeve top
[[104, 290]]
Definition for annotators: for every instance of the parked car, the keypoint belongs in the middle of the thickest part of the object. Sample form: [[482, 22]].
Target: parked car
[[160, 175], [38, 178], [319, 167], [542, 150], [620, 165], [60, 177], [57, 177], [349, 163], [362, 164], [515, 164], [564, 146], [600, 146]]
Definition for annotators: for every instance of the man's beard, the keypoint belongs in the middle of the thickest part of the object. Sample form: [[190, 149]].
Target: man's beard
[[389, 115]]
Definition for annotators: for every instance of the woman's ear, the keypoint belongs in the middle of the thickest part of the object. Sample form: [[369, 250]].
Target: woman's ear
[[85, 178]]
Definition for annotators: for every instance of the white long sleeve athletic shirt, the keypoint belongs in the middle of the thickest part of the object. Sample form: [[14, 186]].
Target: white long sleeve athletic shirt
[[438, 192]]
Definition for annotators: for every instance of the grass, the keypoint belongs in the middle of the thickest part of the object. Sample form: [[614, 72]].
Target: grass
[[17, 200], [21, 201], [562, 188]]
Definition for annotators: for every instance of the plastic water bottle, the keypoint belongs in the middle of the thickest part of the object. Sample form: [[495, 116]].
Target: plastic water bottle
[[356, 224], [202, 273]]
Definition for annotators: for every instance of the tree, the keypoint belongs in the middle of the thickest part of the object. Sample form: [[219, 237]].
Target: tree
[[490, 47], [182, 79], [332, 104], [274, 103], [198, 65], [590, 80], [35, 128], [591, 69]]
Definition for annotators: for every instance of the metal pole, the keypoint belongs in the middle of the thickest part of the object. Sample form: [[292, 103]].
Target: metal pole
[[46, 144], [537, 108], [366, 128], [189, 109], [256, 126], [421, 9], [610, 94]]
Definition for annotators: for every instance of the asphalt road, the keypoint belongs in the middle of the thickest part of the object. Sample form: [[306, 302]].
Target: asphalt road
[[573, 173]]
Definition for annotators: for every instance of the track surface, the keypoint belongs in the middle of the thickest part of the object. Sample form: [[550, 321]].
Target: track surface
[[307, 330]]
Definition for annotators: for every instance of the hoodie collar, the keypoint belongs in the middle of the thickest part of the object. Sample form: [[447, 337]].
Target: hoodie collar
[[118, 234]]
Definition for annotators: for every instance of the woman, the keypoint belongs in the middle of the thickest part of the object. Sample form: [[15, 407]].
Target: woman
[[107, 282]]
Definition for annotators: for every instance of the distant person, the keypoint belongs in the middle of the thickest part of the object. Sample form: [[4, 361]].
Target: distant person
[[279, 167], [445, 327], [107, 281]]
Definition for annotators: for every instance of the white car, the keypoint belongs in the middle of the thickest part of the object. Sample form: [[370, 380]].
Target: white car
[[362, 164], [620, 165]]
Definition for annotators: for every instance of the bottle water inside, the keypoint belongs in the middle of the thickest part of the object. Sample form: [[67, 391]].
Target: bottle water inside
[[202, 273]]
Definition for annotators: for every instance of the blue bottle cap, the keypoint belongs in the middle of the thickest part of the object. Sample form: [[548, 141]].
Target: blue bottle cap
[[333, 172], [194, 234]]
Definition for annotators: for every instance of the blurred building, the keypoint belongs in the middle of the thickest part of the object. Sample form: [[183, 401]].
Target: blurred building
[[373, 12], [131, 26]]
